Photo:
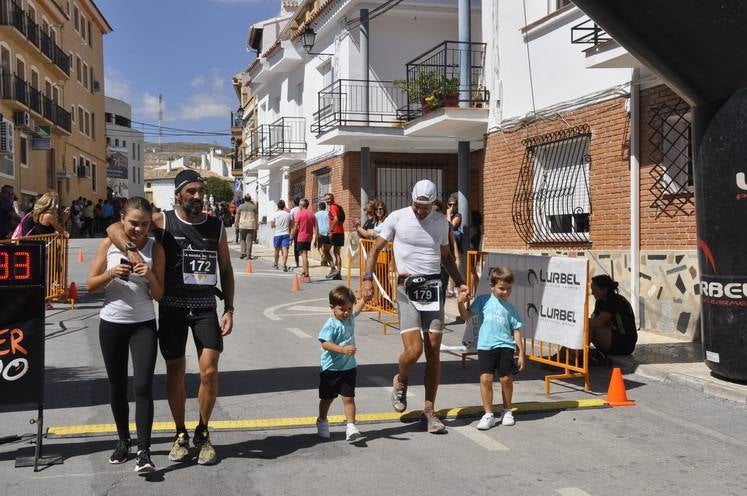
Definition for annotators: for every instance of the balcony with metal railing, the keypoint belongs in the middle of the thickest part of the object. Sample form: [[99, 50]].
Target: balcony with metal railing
[[603, 51], [446, 95], [26, 29], [22, 96], [278, 144]]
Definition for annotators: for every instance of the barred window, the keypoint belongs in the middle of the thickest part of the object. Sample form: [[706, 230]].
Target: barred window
[[552, 201]]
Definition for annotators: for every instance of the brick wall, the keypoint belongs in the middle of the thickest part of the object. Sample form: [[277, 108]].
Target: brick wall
[[671, 227], [609, 182]]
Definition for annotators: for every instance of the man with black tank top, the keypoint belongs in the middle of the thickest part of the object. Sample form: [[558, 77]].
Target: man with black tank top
[[196, 251]]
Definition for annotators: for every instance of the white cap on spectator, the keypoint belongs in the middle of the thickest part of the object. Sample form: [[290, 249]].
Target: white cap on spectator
[[424, 192]]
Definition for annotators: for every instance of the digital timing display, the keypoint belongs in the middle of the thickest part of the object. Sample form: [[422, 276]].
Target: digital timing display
[[22, 265]]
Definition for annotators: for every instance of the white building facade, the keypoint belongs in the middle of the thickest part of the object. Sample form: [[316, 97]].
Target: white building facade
[[124, 149]]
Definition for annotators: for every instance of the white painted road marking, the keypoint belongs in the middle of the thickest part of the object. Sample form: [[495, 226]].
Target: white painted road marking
[[386, 384], [480, 438], [571, 491], [270, 313], [298, 332]]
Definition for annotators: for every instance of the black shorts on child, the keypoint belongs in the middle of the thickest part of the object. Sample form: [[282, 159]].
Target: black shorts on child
[[334, 382], [500, 359]]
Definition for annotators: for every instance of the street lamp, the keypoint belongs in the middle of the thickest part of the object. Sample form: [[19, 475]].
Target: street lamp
[[309, 37]]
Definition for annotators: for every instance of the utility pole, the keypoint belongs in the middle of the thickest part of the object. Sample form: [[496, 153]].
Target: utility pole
[[160, 118]]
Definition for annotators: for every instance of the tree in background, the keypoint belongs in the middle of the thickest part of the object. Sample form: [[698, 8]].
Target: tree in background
[[219, 188]]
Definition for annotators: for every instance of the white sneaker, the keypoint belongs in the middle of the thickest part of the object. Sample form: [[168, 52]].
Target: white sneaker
[[486, 422], [322, 429], [508, 418], [352, 433]]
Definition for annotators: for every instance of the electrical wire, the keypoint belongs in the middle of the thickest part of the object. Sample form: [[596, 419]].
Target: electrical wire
[[375, 12], [529, 60]]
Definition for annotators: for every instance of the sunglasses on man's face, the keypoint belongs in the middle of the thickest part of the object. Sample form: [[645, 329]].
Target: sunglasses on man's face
[[451, 204]]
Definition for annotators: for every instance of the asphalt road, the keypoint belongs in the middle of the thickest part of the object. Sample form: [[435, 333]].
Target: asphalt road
[[674, 441]]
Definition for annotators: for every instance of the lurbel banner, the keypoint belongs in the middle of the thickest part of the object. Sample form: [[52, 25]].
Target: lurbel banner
[[548, 292]]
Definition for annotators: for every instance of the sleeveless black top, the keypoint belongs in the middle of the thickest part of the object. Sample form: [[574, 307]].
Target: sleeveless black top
[[188, 246]]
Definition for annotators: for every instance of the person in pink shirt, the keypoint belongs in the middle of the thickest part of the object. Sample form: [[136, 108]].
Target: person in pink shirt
[[304, 232]]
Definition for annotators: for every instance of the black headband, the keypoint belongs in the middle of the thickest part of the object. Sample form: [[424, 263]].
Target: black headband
[[185, 177]]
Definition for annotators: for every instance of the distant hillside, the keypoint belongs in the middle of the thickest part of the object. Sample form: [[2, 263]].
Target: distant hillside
[[174, 150]]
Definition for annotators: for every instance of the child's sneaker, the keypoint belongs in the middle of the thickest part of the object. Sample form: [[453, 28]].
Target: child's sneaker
[[352, 433], [508, 418], [322, 429], [487, 421]]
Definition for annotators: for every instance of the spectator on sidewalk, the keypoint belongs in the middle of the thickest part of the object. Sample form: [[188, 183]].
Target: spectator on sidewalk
[[246, 222], [8, 216], [372, 227], [336, 236], [282, 224], [293, 212], [304, 232], [323, 243], [612, 324], [128, 325]]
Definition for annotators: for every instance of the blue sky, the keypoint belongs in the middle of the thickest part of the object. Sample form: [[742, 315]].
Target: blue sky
[[185, 50]]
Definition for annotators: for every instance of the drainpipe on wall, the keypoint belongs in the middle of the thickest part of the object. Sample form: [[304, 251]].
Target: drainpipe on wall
[[463, 150], [635, 196], [365, 155]]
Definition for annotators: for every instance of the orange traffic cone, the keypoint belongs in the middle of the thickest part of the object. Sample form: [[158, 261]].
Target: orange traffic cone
[[249, 269], [81, 257], [616, 392], [296, 284], [72, 294]]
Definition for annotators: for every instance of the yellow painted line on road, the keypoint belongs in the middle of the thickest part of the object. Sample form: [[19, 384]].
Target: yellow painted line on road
[[363, 418]]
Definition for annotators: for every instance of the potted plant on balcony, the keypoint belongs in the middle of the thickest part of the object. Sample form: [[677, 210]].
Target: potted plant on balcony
[[432, 89]]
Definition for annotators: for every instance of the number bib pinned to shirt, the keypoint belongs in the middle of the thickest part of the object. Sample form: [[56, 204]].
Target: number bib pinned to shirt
[[200, 267], [424, 292]]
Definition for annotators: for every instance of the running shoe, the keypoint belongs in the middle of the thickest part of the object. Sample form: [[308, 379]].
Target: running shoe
[[207, 455], [180, 451], [121, 451], [399, 395], [274, 266], [508, 418], [285, 268], [143, 463], [433, 424], [352, 433], [322, 429], [487, 421]]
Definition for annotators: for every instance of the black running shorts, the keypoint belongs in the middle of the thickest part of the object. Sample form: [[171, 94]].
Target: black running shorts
[[174, 323]]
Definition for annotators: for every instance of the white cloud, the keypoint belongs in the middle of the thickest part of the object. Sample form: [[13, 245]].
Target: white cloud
[[235, 1], [117, 86], [203, 106], [197, 81], [148, 108]]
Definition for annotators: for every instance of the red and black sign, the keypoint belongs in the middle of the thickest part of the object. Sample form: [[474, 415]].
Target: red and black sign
[[22, 292]]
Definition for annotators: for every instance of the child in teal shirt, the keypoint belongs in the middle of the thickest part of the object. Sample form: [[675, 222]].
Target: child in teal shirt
[[498, 338], [338, 365]]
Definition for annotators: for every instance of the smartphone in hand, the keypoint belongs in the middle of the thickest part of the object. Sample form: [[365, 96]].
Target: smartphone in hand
[[124, 261]]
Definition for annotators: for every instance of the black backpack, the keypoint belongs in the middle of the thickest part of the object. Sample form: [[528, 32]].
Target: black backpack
[[340, 213]]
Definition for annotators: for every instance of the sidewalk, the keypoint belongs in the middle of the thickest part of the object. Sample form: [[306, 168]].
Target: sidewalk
[[657, 356]]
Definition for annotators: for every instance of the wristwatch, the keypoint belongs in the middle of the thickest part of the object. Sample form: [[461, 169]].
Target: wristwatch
[[131, 246]]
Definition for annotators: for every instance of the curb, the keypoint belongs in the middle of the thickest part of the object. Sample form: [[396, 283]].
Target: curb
[[710, 386]]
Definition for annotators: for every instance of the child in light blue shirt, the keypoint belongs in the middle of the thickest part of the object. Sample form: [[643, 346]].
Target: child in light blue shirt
[[338, 365], [498, 338]]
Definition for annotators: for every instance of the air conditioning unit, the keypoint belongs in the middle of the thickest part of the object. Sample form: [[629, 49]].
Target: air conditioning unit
[[23, 119], [7, 135]]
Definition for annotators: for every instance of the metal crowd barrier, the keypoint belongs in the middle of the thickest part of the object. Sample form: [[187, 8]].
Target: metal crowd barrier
[[385, 281], [574, 363], [57, 248]]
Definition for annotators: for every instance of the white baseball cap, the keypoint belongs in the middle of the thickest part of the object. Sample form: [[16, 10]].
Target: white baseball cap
[[424, 189]]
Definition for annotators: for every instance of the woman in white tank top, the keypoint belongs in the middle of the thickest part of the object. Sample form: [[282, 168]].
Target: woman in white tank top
[[128, 322]]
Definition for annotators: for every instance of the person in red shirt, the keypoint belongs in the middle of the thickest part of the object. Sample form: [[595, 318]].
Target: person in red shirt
[[304, 232], [336, 236]]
